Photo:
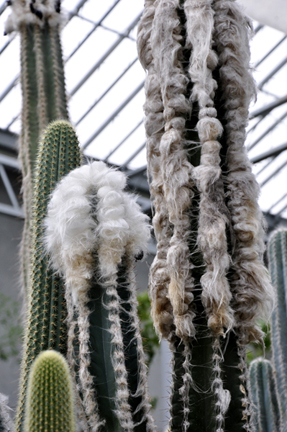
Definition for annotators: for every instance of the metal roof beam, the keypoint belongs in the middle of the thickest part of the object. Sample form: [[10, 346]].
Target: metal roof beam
[[263, 111], [105, 56], [270, 129], [107, 91], [123, 141], [271, 51], [113, 115], [272, 73], [278, 169], [270, 153]]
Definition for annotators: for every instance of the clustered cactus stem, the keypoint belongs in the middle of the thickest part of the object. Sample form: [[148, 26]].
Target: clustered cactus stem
[[277, 253], [50, 404], [264, 397], [93, 232], [208, 284], [46, 327], [43, 93]]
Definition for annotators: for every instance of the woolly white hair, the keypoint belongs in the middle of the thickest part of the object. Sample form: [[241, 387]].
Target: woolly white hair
[[176, 170], [89, 211], [216, 295], [6, 421], [21, 14], [252, 291], [159, 274]]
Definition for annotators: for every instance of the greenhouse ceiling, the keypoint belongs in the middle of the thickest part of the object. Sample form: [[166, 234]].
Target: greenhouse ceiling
[[105, 85]]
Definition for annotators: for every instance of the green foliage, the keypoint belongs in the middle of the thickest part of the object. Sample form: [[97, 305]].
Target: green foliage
[[150, 338], [255, 350], [10, 329], [50, 395]]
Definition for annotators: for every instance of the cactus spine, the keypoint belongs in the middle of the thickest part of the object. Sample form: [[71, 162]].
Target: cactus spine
[[93, 231], [277, 252], [46, 328], [43, 93], [208, 284], [264, 396], [50, 396]]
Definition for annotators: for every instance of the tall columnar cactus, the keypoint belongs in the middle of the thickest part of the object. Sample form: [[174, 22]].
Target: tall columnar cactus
[[264, 397], [50, 403], [43, 92], [93, 232], [46, 323], [277, 252], [208, 284]]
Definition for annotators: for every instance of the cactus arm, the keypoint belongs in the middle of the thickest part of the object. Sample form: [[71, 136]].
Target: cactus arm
[[277, 252], [94, 251], [50, 395], [264, 397], [46, 328]]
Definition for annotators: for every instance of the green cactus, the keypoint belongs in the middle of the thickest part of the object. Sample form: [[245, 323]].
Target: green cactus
[[46, 328], [43, 94], [50, 395], [93, 231], [277, 253], [264, 396], [208, 284]]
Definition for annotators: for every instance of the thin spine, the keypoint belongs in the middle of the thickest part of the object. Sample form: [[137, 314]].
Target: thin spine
[[222, 396], [154, 124], [142, 389], [277, 252], [85, 378], [244, 387], [250, 282], [213, 220], [187, 382], [176, 170]]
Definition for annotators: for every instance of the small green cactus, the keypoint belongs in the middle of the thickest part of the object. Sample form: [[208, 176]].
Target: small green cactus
[[46, 327], [277, 252], [50, 395], [264, 397]]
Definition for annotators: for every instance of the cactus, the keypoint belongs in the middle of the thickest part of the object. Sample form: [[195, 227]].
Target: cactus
[[46, 328], [43, 93], [277, 253], [264, 397], [93, 231], [208, 285], [50, 396]]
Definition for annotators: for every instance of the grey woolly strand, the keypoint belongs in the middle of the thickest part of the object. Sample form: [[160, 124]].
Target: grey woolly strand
[[154, 124], [223, 396], [251, 288], [142, 389], [213, 216], [176, 170]]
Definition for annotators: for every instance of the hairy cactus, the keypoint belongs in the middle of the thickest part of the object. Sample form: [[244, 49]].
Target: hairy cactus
[[264, 397], [50, 404], [93, 232], [6, 423], [46, 327], [277, 252], [208, 284], [43, 93]]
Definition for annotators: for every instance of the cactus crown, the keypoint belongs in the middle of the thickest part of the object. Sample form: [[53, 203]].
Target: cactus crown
[[50, 396]]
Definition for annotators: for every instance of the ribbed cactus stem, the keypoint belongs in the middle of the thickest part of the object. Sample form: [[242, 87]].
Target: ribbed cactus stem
[[93, 231], [277, 253], [264, 397], [46, 323], [208, 284], [50, 401], [43, 93]]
